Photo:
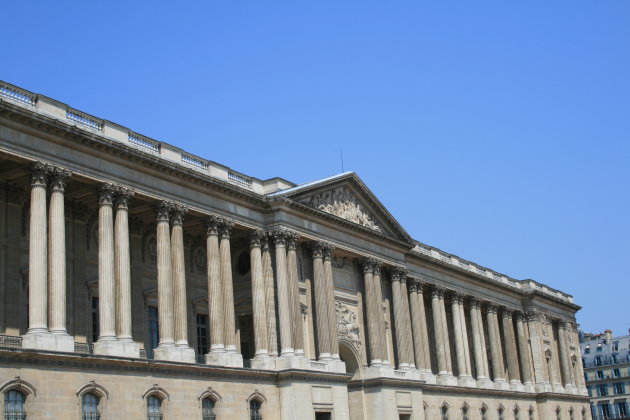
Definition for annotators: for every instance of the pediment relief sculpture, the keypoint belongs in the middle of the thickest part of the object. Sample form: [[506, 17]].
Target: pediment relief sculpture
[[347, 325], [342, 202]]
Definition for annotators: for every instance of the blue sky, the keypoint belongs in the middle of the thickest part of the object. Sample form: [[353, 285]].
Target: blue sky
[[497, 131]]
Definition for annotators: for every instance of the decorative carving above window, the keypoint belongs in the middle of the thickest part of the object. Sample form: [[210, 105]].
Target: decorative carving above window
[[341, 202]]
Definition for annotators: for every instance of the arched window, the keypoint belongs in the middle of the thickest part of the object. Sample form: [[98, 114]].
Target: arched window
[[571, 415], [254, 410], [444, 411], [207, 409], [89, 406], [154, 408], [558, 416], [465, 412], [500, 412], [14, 405], [484, 412], [531, 413], [516, 411]]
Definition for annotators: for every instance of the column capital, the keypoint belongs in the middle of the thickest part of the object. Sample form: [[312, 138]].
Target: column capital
[[58, 177], [437, 290], [492, 308], [257, 238], [519, 315], [225, 227], [377, 266], [163, 210], [178, 211], [413, 285], [123, 196], [39, 172], [367, 264], [398, 273], [475, 302], [106, 194], [329, 250], [317, 248], [507, 312], [535, 315], [283, 236], [212, 224], [292, 238]]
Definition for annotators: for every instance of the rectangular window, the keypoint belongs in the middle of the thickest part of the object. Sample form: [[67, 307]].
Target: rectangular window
[[622, 409], [590, 391], [602, 390], [616, 372], [600, 374], [153, 330], [599, 346], [615, 345], [598, 361], [95, 321], [604, 410], [202, 337], [587, 349], [323, 416], [614, 358], [619, 388]]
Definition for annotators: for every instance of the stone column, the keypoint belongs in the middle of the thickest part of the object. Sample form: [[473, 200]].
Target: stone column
[[259, 307], [106, 273], [57, 254], [510, 349], [215, 288], [446, 338], [462, 315], [440, 345], [372, 312], [400, 322], [297, 332], [284, 305], [496, 352], [537, 345], [524, 353], [122, 265], [564, 356], [378, 291], [479, 344], [409, 355], [164, 277], [37, 257], [331, 314], [182, 352], [461, 341], [419, 326], [321, 302], [228, 287], [270, 297]]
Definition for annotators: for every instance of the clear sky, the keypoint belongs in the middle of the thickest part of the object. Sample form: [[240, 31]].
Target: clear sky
[[497, 131]]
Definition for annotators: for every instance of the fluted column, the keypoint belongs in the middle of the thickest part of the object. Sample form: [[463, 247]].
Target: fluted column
[[536, 333], [439, 330], [564, 356], [409, 355], [106, 273], [401, 324], [479, 341], [321, 302], [378, 291], [228, 287], [462, 315], [123, 265], [179, 276], [259, 307], [297, 332], [331, 313], [510, 347], [496, 352], [165, 275], [270, 297], [461, 339], [37, 257], [372, 312], [446, 338], [57, 252], [215, 287], [523, 347], [419, 327], [284, 304]]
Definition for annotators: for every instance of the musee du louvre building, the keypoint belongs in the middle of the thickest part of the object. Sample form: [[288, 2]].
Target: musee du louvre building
[[138, 281]]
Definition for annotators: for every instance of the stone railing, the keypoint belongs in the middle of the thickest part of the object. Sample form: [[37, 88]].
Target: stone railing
[[525, 285], [51, 108]]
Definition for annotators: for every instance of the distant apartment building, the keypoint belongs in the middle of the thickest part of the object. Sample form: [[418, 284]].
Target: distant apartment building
[[606, 361]]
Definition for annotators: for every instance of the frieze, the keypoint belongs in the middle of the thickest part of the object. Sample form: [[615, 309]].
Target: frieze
[[342, 202]]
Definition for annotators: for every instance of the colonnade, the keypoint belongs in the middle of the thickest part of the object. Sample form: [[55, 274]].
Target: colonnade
[[483, 344]]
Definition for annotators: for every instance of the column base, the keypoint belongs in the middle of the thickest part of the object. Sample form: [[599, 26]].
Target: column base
[[570, 389], [467, 381], [583, 391], [446, 379], [557, 388], [226, 359], [46, 341], [428, 377], [502, 384], [263, 363], [175, 354], [516, 386], [485, 383], [292, 361], [543, 387], [381, 371], [119, 348], [529, 387]]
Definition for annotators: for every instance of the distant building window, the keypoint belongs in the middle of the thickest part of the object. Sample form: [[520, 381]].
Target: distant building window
[[600, 374], [14, 405], [89, 407], [444, 412], [500, 412], [484, 412], [531, 414], [598, 361], [619, 388], [614, 358], [207, 408], [590, 391], [616, 372], [602, 390], [622, 408], [587, 349], [599, 346], [154, 408], [615, 345], [604, 410]]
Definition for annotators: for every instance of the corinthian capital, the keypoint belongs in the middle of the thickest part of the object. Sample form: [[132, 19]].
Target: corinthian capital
[[106, 194], [257, 238], [398, 273], [39, 172], [123, 196], [163, 210], [58, 177], [178, 211], [283, 236]]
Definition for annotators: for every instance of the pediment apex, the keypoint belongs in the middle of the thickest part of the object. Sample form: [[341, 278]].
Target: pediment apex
[[345, 196]]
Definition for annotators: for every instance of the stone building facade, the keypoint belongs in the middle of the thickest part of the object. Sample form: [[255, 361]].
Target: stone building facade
[[606, 362], [140, 281]]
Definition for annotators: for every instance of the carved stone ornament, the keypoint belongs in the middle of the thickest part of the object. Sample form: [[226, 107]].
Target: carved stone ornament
[[348, 325], [342, 203]]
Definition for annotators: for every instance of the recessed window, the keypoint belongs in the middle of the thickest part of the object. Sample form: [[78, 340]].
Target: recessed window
[[207, 408], [619, 388], [89, 407], [243, 264], [202, 337], [327, 416], [598, 361], [154, 408], [254, 410], [14, 405], [444, 412], [152, 330], [600, 374]]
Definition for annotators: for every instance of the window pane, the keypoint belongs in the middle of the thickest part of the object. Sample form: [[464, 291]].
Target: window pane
[[154, 405], [207, 409], [254, 410], [89, 407]]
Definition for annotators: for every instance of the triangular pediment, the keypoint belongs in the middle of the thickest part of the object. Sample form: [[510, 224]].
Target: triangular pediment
[[346, 197]]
